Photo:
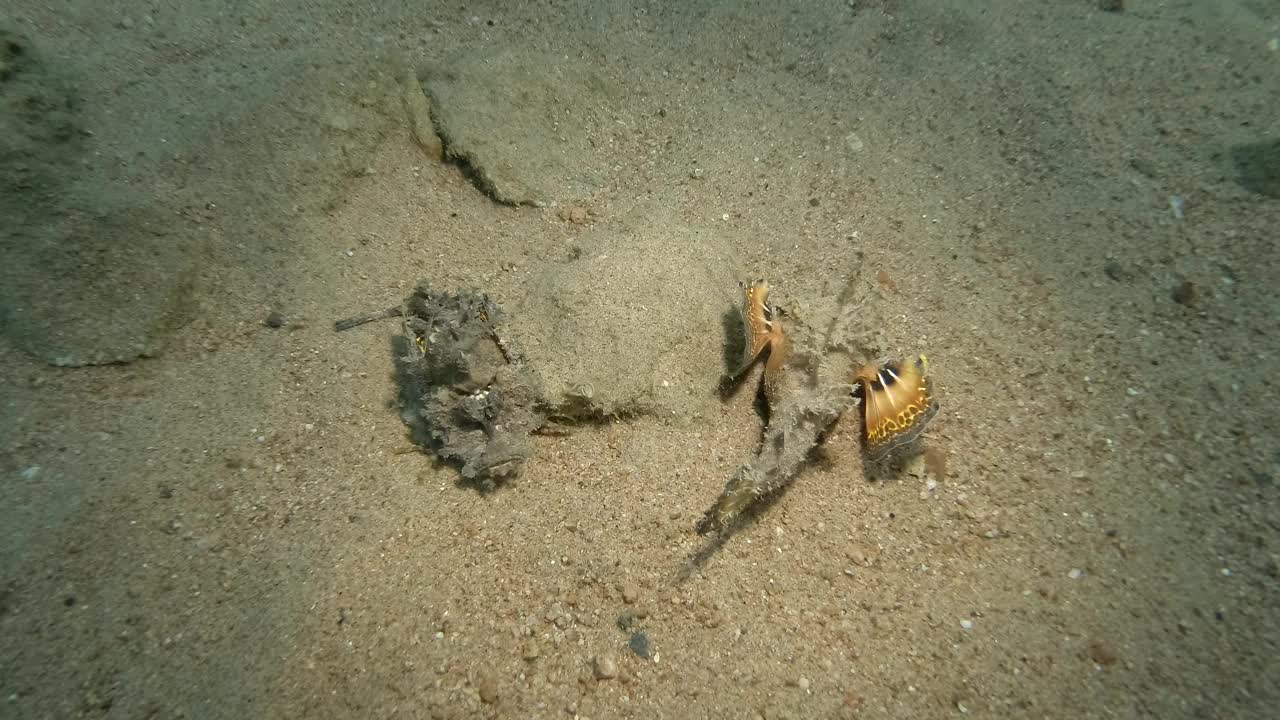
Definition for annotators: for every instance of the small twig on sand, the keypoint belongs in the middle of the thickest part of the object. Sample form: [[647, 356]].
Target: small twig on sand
[[397, 311]]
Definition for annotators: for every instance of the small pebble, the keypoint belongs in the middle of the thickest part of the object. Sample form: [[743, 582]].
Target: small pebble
[[1185, 293], [627, 619], [966, 624], [604, 668], [1116, 271], [803, 683], [276, 320], [630, 593], [1075, 574], [488, 688], [1101, 653], [639, 644]]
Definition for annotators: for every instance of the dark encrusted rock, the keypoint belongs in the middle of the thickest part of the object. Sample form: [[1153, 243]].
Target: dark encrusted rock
[[463, 386]]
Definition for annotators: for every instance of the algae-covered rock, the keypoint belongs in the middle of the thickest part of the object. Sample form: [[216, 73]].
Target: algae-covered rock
[[463, 386]]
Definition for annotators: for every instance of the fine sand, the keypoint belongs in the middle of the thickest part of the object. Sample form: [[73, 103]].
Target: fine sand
[[1070, 208]]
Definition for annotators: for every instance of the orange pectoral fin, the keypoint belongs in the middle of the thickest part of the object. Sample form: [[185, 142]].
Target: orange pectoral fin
[[898, 402], [756, 322]]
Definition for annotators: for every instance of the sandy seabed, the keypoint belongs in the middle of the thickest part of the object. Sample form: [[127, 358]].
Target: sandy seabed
[[1055, 202]]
